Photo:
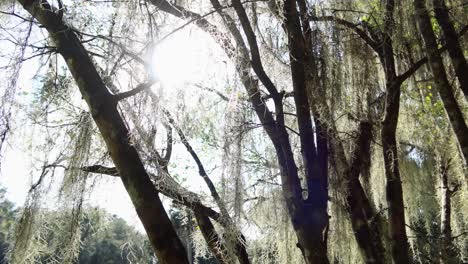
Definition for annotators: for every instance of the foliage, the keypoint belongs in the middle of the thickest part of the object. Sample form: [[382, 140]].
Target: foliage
[[104, 238], [7, 220], [205, 142]]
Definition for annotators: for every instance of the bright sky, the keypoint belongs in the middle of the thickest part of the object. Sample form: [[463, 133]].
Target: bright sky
[[186, 55]]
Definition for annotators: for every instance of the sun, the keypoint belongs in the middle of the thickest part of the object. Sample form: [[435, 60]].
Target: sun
[[180, 58]]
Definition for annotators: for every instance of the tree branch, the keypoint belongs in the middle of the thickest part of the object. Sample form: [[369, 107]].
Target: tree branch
[[201, 168], [355, 27], [169, 142], [141, 87], [402, 77], [136, 180], [181, 195], [254, 51], [120, 46], [178, 11], [218, 93]]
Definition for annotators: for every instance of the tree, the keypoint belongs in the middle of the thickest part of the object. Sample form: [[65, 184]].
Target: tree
[[103, 108], [105, 238], [435, 61], [335, 88], [109, 239], [7, 220]]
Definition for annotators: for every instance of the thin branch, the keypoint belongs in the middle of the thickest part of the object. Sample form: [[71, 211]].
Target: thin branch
[[179, 11], [455, 188], [122, 47], [195, 18], [222, 96], [169, 142], [285, 95], [423, 60], [254, 51], [201, 168], [177, 195], [460, 235], [16, 15], [140, 88], [355, 27], [292, 130], [112, 171]]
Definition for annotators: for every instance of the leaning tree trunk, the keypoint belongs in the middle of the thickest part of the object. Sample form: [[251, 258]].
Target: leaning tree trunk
[[214, 242], [453, 44], [103, 106], [441, 82]]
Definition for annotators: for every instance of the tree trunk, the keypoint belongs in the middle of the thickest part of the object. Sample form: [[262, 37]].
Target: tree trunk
[[394, 189], [448, 255], [214, 243], [167, 245], [440, 77], [364, 220], [453, 44], [365, 224], [310, 220], [312, 224]]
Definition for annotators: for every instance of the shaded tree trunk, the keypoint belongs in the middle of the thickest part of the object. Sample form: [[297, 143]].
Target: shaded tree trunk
[[309, 219], [394, 189], [453, 44], [380, 40], [366, 223], [102, 104], [441, 82], [448, 255], [364, 220], [312, 229], [208, 231]]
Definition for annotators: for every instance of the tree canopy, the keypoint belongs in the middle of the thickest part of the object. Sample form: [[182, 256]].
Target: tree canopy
[[259, 131]]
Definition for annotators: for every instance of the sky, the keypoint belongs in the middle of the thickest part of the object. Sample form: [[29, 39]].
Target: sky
[[186, 55]]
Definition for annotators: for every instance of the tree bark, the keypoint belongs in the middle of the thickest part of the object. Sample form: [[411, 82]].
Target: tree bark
[[312, 229], [202, 214], [211, 237], [453, 44], [167, 245], [441, 82], [448, 255], [310, 221], [380, 40], [394, 189], [365, 221]]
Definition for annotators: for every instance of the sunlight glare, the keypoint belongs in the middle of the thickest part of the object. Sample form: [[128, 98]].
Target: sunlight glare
[[181, 58]]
